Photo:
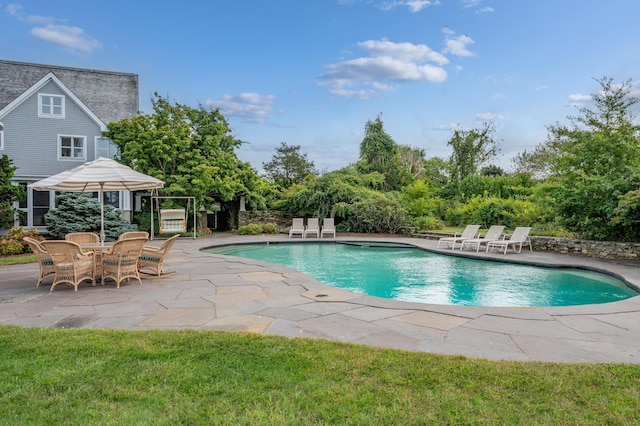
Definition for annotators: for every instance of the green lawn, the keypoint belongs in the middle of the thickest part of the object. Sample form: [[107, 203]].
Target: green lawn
[[15, 260], [81, 376]]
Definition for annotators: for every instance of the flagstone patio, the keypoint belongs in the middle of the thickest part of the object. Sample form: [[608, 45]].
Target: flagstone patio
[[214, 292]]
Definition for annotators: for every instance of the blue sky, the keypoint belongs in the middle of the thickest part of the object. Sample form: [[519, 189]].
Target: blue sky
[[312, 72]]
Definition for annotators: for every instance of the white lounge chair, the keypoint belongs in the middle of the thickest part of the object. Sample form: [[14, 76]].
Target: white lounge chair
[[519, 237], [297, 227], [493, 234], [328, 227], [469, 232], [312, 227]]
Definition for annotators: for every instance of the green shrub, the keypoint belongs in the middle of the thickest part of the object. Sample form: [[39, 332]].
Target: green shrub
[[487, 211], [382, 214], [269, 228], [428, 223], [251, 229], [258, 228], [143, 220]]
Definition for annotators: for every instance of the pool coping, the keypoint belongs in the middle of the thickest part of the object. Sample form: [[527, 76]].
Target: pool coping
[[216, 292]]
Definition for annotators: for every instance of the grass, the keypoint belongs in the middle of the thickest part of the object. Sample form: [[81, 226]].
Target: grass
[[18, 259], [81, 376]]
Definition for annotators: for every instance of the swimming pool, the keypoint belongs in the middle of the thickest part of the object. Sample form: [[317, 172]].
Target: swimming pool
[[403, 272]]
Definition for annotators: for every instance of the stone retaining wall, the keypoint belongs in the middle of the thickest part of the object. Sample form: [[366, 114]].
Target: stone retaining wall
[[588, 248], [572, 246]]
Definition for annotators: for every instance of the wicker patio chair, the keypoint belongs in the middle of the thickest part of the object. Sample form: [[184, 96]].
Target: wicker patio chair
[[133, 234], [72, 265], [82, 237], [152, 258], [47, 269], [121, 262]]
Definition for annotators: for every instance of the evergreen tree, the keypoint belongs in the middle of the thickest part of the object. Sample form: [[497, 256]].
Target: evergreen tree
[[80, 212], [8, 192]]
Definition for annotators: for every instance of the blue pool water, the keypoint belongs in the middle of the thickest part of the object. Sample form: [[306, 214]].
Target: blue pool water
[[410, 274]]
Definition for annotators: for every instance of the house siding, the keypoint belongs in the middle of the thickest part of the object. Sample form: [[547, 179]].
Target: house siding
[[32, 141]]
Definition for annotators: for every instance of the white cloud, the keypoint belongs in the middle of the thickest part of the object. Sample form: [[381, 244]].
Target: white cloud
[[250, 107], [489, 116], [413, 5], [14, 9], [578, 99], [72, 38], [457, 46], [486, 9], [447, 127], [497, 96], [388, 63], [470, 3], [403, 51]]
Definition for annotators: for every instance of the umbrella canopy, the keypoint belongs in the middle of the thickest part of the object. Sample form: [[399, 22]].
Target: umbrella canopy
[[99, 175]]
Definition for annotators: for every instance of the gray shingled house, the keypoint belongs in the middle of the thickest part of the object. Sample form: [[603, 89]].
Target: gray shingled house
[[52, 119]]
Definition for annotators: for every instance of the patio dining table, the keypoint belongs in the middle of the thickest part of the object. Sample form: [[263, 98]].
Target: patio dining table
[[97, 249]]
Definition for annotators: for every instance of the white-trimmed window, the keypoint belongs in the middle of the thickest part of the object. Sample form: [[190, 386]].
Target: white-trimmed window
[[50, 106], [1, 136], [72, 147], [105, 148]]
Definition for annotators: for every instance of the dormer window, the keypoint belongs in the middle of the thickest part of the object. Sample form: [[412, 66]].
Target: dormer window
[[50, 106]]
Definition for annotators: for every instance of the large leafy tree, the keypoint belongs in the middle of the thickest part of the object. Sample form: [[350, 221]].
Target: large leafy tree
[[596, 166], [288, 166], [8, 192], [472, 149], [191, 149]]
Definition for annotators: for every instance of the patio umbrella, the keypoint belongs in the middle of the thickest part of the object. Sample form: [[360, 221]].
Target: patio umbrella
[[99, 175]]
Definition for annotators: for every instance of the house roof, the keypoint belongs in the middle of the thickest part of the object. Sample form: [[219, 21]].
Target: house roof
[[111, 96], [39, 85]]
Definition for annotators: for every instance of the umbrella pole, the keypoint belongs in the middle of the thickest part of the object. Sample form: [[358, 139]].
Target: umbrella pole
[[102, 236]]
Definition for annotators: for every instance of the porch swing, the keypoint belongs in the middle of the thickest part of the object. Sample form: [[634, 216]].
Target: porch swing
[[172, 221]]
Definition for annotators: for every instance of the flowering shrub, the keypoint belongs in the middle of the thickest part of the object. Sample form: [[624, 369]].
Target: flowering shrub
[[14, 243]]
